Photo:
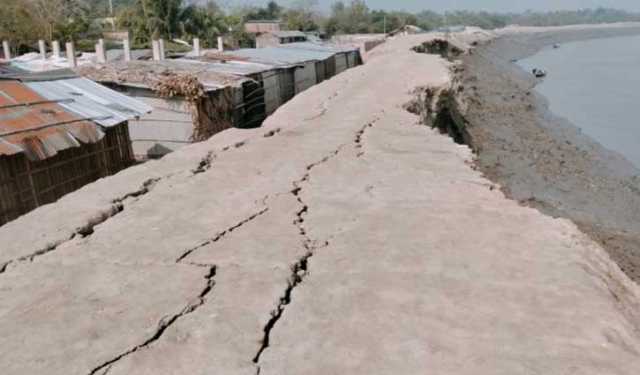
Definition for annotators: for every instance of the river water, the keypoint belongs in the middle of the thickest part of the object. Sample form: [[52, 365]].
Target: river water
[[595, 84]]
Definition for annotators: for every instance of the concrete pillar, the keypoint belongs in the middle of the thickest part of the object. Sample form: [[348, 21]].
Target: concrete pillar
[[43, 49], [127, 49], [196, 46], [220, 44], [155, 47], [7, 50], [55, 46], [101, 56], [161, 47], [71, 55]]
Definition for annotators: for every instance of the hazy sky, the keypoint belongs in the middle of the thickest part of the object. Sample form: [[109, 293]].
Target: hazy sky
[[489, 5]]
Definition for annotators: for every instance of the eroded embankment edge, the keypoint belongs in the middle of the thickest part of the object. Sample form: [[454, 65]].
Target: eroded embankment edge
[[444, 108]]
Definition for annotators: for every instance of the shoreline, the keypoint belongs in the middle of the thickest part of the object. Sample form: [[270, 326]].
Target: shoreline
[[540, 159]]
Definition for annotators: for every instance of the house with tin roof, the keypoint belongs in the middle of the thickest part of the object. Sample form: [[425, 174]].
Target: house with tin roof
[[191, 100], [276, 38], [58, 132]]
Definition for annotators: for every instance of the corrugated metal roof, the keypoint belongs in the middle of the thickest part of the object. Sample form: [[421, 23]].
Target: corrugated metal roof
[[236, 67], [89, 99], [33, 62], [39, 127], [320, 47], [280, 56], [145, 73], [288, 34], [136, 54], [6, 69]]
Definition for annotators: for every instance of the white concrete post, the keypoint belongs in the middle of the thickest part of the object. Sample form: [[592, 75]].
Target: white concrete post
[[101, 57], [196, 46], [155, 46], [71, 55], [43, 49], [103, 51], [161, 47], [220, 44], [7, 50], [55, 45], [127, 49]]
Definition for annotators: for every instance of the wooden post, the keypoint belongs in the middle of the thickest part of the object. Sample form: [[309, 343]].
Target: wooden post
[[220, 44], [43, 49], [34, 192], [127, 49], [7, 50], [71, 55], [155, 46], [55, 45], [196, 46]]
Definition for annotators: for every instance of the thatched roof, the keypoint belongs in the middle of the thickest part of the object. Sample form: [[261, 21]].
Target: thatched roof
[[149, 74]]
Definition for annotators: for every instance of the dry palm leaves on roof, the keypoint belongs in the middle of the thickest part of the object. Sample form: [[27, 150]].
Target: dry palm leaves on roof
[[211, 110]]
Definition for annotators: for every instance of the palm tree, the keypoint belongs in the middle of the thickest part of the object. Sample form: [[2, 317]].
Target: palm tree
[[162, 16]]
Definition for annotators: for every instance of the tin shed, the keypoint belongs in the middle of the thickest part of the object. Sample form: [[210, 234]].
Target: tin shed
[[302, 62], [56, 136], [266, 75], [191, 101]]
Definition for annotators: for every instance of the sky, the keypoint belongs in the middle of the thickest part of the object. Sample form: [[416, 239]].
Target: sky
[[488, 5]]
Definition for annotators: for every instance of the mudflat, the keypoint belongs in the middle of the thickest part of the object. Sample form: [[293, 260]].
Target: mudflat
[[543, 160]]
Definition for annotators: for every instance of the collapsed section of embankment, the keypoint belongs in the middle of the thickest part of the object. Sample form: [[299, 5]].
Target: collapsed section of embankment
[[538, 159]]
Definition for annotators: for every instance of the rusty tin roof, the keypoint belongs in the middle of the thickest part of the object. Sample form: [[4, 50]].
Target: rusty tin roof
[[38, 127]]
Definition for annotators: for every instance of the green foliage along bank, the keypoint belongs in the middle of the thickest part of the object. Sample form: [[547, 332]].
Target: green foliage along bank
[[23, 22]]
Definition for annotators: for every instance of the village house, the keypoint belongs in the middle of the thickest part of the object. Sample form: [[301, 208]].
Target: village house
[[191, 101], [238, 88], [269, 77], [58, 132], [276, 38], [263, 26], [283, 71], [303, 65]]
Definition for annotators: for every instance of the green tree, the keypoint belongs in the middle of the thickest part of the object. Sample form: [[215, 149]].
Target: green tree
[[152, 19], [162, 17], [59, 18], [204, 22], [132, 18], [272, 11], [349, 19], [18, 25], [302, 16]]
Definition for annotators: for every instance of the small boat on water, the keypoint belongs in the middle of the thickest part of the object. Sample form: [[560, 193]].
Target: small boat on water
[[556, 46], [539, 73]]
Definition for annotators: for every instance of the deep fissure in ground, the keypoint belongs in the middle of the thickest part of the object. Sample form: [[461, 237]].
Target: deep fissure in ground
[[165, 323]]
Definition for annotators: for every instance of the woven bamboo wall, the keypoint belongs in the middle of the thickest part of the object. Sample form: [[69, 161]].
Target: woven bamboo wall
[[25, 185]]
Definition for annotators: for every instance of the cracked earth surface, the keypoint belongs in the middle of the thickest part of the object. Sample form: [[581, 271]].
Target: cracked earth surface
[[354, 241]]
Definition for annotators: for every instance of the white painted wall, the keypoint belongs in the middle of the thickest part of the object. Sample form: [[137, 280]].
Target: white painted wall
[[167, 128]]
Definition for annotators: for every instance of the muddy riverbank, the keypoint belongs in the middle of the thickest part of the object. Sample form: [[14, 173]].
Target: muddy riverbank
[[540, 159]]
